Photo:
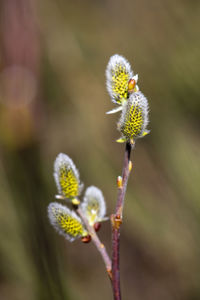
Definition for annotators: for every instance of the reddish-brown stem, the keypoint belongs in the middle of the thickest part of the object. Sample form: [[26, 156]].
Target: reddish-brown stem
[[113, 269], [99, 245], [116, 220]]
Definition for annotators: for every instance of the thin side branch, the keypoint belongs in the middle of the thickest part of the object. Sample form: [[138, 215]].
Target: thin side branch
[[116, 221], [99, 245]]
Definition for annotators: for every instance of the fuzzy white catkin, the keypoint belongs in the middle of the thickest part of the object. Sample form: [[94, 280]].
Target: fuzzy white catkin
[[93, 205], [64, 161], [65, 221], [134, 118], [114, 63]]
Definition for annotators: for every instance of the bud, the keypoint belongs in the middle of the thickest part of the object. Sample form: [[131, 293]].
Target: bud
[[66, 222], [86, 239], [66, 177], [118, 74], [130, 166], [97, 226], [119, 182], [131, 85], [93, 205], [134, 118], [75, 202]]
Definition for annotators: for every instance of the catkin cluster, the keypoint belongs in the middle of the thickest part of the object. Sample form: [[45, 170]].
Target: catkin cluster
[[124, 91], [93, 207]]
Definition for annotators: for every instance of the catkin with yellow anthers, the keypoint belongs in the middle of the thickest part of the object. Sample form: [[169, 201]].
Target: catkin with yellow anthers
[[118, 74], [93, 205], [67, 177], [134, 117], [66, 222]]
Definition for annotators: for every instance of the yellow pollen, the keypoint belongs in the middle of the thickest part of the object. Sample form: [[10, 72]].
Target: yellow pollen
[[68, 182]]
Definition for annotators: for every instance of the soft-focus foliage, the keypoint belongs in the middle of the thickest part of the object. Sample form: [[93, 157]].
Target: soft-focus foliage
[[53, 99]]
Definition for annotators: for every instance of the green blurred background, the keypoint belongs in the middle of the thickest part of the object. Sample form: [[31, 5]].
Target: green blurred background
[[53, 99]]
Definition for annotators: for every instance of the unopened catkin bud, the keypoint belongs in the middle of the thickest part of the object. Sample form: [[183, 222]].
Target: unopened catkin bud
[[131, 85], [134, 117], [130, 166], [119, 182], [86, 239]]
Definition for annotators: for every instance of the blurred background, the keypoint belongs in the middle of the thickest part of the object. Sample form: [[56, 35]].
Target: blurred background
[[53, 99]]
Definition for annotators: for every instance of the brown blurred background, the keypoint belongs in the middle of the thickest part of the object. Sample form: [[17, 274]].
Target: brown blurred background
[[53, 99]]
